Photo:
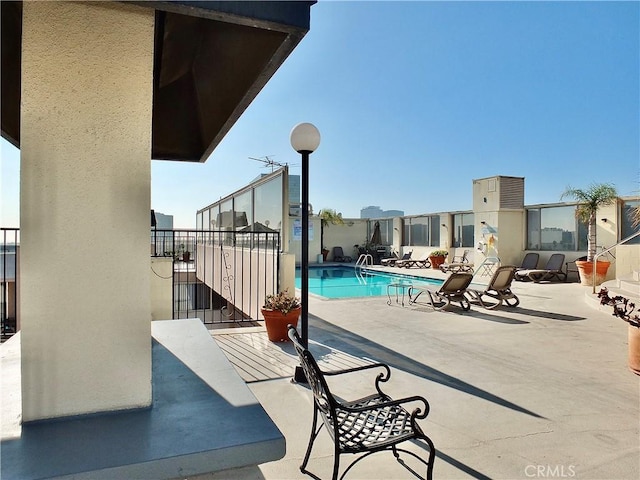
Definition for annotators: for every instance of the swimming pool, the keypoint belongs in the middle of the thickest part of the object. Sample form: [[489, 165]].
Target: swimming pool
[[349, 282]]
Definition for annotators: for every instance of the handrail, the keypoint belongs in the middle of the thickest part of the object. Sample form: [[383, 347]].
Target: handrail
[[365, 259], [598, 255]]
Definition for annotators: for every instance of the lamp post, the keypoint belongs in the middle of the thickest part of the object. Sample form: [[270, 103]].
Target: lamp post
[[305, 138]]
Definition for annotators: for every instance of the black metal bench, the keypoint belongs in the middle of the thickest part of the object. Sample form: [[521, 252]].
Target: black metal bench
[[364, 426]]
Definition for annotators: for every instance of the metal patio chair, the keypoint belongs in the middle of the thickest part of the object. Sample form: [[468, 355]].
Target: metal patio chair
[[364, 426], [497, 292]]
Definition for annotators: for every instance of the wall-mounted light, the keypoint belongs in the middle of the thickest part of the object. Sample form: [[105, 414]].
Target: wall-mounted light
[[483, 222], [444, 225], [605, 220]]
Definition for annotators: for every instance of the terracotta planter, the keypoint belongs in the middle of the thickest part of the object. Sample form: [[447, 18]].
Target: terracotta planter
[[634, 349], [436, 262], [585, 270], [276, 323]]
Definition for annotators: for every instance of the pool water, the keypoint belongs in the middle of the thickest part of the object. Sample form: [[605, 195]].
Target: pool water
[[349, 282]]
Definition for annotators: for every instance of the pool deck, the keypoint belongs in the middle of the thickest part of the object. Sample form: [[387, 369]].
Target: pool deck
[[539, 391]]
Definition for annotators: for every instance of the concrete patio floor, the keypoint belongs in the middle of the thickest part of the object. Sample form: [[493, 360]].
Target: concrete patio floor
[[539, 391]]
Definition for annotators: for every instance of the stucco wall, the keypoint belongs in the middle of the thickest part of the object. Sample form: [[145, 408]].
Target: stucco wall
[[85, 200], [161, 288]]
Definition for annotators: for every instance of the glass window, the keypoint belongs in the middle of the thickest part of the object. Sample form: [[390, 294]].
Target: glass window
[[555, 229], [242, 209], [533, 229], [463, 230], [386, 231], [422, 231], [628, 208], [434, 237], [225, 217], [268, 204]]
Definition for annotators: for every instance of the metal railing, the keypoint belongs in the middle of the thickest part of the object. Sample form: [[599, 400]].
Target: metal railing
[[599, 254], [219, 276]]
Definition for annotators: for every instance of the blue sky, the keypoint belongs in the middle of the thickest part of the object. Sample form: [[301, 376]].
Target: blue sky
[[414, 100]]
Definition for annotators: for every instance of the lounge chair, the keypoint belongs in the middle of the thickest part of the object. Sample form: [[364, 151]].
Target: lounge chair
[[374, 423], [422, 262], [552, 270], [387, 260], [458, 264], [393, 262], [498, 289], [452, 290], [529, 262], [339, 256]]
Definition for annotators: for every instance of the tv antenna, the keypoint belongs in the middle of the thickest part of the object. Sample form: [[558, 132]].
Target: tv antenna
[[269, 162]]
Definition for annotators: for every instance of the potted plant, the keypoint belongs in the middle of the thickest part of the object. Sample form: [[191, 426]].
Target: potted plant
[[328, 216], [278, 311], [589, 202], [623, 308], [437, 258]]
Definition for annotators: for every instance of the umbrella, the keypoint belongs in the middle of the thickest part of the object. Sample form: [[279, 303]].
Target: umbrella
[[376, 238]]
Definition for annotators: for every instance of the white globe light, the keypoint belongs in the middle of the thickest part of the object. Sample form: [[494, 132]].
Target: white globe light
[[305, 137]]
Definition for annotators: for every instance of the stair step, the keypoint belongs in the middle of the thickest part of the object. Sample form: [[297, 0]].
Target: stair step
[[631, 286]]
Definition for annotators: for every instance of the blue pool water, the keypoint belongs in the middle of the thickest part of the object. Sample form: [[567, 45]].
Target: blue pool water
[[348, 282]]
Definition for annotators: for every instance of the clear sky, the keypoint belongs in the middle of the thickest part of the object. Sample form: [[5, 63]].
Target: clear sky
[[414, 100]]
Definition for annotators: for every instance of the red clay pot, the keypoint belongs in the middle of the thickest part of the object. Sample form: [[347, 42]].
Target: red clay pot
[[585, 269], [276, 323], [436, 262], [634, 349]]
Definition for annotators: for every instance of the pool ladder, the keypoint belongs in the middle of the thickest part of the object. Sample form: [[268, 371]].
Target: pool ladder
[[364, 260]]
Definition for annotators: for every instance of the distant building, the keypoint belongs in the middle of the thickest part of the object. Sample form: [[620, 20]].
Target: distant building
[[164, 222], [377, 212]]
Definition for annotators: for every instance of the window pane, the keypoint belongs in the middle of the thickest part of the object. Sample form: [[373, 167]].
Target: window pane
[[225, 217], [419, 232], [434, 240], [558, 229], [268, 204], [242, 209], [627, 221], [467, 230], [463, 230], [533, 229]]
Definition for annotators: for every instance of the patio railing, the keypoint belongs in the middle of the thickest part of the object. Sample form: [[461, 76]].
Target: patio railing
[[220, 277]]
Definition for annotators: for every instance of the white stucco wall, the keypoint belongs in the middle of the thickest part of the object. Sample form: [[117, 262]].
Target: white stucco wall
[[85, 199], [161, 288]]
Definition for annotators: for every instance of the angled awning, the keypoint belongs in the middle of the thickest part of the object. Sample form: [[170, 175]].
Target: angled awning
[[211, 60]]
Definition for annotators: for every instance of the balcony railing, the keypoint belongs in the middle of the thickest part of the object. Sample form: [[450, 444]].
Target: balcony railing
[[219, 276]]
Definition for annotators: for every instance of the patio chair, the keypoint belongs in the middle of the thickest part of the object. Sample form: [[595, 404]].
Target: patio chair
[[529, 262], [339, 256], [364, 426], [498, 289], [422, 262], [452, 290], [392, 259], [458, 264], [392, 262], [552, 270]]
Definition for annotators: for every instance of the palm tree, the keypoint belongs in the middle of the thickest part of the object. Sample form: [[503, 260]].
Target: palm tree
[[328, 216], [589, 202]]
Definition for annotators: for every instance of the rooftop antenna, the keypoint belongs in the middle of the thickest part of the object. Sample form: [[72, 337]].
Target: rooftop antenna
[[268, 162]]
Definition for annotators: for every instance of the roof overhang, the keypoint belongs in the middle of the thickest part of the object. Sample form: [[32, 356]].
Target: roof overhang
[[211, 59]]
